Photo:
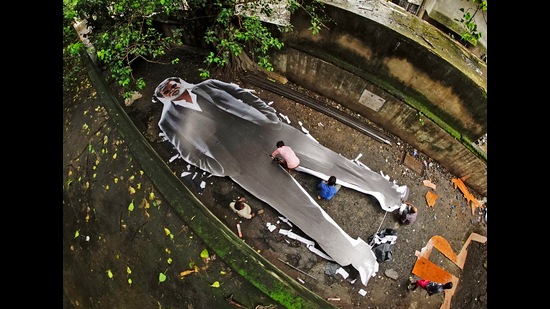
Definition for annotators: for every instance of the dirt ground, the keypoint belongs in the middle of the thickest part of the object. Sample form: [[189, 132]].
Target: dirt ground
[[124, 247]]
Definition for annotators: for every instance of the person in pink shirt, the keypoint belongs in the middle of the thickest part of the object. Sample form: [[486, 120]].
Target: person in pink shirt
[[287, 158]]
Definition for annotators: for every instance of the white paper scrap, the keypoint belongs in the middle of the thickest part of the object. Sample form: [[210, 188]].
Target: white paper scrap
[[285, 220], [173, 158], [362, 292], [342, 272], [271, 227], [293, 235]]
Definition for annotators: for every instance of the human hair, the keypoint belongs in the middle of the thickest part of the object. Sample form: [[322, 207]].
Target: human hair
[[280, 144], [331, 180], [239, 205], [413, 210], [448, 285]]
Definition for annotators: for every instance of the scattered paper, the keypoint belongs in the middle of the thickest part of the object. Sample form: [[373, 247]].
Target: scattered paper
[[362, 292], [271, 227], [173, 158], [342, 272]]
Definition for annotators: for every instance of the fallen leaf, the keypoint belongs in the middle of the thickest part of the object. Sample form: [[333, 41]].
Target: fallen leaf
[[429, 184], [215, 284], [430, 198], [166, 231], [204, 254], [186, 272], [162, 277]]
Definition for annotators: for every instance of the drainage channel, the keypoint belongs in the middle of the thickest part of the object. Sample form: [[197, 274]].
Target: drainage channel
[[318, 106]]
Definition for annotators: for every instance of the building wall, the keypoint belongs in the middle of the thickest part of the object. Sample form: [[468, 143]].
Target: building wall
[[447, 11], [394, 68]]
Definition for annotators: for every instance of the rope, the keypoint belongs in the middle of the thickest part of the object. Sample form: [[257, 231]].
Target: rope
[[378, 230]]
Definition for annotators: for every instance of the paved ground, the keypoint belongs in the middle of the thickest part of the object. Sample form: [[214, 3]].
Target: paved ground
[[121, 239]]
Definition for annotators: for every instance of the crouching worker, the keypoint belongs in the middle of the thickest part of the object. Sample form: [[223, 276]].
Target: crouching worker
[[408, 214], [328, 188], [432, 287], [241, 208]]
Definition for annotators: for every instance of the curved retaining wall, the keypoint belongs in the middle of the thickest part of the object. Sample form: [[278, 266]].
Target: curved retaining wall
[[399, 72]]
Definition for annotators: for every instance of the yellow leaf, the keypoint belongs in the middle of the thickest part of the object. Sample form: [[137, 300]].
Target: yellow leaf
[[204, 254], [130, 281], [116, 180], [109, 273], [128, 270], [107, 188], [141, 172], [166, 231], [76, 233], [114, 156], [131, 190], [139, 186], [152, 196], [131, 206], [216, 284], [169, 260], [222, 272], [131, 177], [196, 268], [162, 277]]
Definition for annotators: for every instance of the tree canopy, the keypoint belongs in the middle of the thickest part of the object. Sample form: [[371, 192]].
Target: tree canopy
[[117, 33]]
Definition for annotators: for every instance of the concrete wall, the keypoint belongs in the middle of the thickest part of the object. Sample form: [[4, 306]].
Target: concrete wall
[[446, 11], [395, 69]]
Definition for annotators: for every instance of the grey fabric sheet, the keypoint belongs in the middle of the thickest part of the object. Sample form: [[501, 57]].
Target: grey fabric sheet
[[234, 135]]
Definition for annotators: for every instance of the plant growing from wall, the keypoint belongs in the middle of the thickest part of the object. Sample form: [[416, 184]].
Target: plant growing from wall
[[470, 32]]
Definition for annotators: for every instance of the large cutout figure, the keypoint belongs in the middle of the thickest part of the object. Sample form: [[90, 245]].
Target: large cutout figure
[[227, 131]]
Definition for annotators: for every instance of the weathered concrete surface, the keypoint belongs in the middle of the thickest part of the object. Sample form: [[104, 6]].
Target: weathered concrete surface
[[399, 72]]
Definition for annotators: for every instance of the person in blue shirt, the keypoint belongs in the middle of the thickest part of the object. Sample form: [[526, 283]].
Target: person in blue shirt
[[328, 188]]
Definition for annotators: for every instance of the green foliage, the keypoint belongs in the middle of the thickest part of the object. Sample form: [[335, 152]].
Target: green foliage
[[470, 33], [125, 32]]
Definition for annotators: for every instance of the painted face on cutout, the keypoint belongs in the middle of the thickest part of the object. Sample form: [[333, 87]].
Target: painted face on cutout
[[170, 88]]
